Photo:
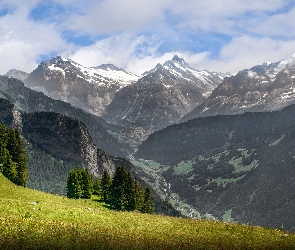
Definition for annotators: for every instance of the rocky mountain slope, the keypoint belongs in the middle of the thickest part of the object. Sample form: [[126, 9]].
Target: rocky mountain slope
[[90, 89], [266, 87], [162, 96], [31, 101], [238, 167]]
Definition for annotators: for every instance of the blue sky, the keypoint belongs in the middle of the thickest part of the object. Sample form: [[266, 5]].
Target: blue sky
[[217, 35]]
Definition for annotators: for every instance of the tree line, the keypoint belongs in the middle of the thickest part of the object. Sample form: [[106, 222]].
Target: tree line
[[13, 161], [121, 192]]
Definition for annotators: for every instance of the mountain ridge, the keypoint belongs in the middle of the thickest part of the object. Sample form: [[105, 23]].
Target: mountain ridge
[[265, 87]]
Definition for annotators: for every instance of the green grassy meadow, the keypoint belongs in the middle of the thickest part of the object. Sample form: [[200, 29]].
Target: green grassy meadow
[[30, 219]]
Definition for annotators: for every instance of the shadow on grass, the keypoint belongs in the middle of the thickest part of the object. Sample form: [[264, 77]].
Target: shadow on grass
[[102, 203]]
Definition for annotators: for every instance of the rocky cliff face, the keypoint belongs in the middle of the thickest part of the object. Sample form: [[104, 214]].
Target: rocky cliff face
[[31, 101], [90, 89], [262, 88], [65, 138], [9, 114], [162, 96]]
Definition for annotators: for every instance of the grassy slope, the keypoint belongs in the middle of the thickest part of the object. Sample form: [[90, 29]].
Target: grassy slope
[[31, 219]]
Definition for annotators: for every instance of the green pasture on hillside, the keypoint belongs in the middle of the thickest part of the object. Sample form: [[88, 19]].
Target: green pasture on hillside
[[31, 219]]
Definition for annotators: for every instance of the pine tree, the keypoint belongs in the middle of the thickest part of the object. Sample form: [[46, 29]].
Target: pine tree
[[86, 184], [118, 198], [97, 186], [105, 184], [14, 162], [129, 192], [148, 204], [139, 196], [8, 167], [74, 189], [17, 152]]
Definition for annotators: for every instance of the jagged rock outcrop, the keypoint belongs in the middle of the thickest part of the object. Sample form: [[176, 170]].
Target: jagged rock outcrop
[[65, 138]]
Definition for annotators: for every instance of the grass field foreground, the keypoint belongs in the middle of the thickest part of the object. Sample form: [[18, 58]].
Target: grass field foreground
[[30, 219]]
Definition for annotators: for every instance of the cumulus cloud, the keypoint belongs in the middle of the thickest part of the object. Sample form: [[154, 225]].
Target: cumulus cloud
[[281, 24], [135, 54], [24, 41], [225, 16], [245, 52], [112, 16]]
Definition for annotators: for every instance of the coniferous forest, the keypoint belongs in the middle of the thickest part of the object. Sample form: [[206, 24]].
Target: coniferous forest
[[121, 192]]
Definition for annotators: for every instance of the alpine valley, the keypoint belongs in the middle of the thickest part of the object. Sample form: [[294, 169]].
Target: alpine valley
[[217, 146]]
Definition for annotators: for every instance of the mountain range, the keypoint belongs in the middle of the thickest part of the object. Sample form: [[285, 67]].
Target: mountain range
[[185, 130]]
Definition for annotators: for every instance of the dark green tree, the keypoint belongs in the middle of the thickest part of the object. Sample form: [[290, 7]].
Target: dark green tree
[[97, 186], [17, 152], [148, 204], [118, 198], [139, 196], [105, 185], [8, 167], [129, 192], [12, 156], [74, 189], [86, 183]]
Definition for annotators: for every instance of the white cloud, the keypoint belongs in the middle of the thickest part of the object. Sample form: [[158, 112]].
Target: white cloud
[[277, 25], [135, 54], [109, 16], [245, 52], [24, 41], [224, 16]]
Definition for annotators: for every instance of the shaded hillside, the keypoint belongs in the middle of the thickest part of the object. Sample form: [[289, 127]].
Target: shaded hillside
[[234, 167]]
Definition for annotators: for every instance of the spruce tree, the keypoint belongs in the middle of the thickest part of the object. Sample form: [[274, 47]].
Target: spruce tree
[[148, 204], [118, 198], [86, 184], [8, 167], [105, 184], [97, 186], [139, 196], [17, 152], [129, 193], [74, 189], [12, 156]]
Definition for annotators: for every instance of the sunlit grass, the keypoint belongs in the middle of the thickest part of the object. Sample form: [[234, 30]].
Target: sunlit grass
[[33, 220]]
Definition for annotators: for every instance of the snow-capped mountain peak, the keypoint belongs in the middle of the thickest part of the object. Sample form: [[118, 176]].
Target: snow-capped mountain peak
[[90, 88]]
